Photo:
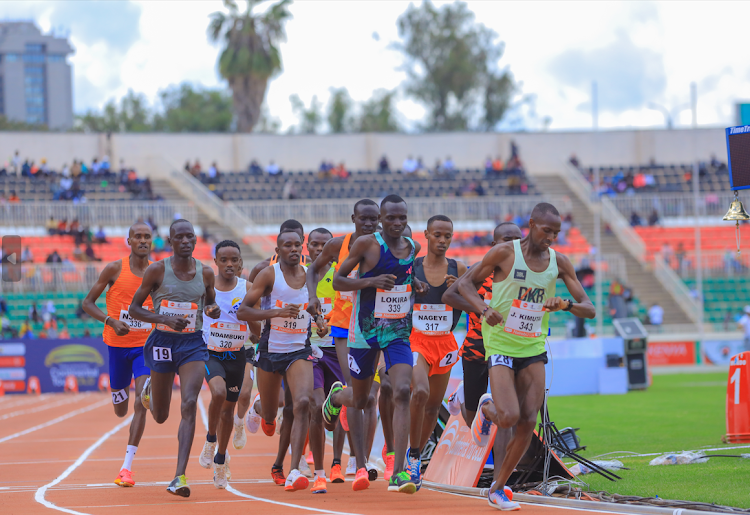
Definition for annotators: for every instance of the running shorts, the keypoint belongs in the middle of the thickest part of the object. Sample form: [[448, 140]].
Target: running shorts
[[279, 362], [476, 380], [230, 366], [362, 362], [166, 352], [515, 364], [250, 355], [339, 332], [326, 370], [125, 363], [440, 352]]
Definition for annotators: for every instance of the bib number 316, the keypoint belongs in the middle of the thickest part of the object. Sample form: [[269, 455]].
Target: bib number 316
[[162, 354]]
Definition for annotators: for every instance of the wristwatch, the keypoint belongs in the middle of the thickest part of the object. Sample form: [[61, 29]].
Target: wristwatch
[[570, 305]]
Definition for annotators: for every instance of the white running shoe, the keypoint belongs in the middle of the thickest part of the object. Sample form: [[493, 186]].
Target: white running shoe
[[279, 420], [240, 438], [206, 458], [226, 462], [146, 393], [252, 419], [456, 399], [304, 468], [351, 467], [499, 500], [220, 476], [480, 428]]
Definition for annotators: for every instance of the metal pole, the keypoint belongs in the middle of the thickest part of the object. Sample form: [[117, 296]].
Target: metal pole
[[597, 243], [594, 106], [698, 250], [694, 103]]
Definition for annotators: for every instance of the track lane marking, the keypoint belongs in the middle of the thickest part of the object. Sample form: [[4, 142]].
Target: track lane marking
[[56, 420], [13, 414]]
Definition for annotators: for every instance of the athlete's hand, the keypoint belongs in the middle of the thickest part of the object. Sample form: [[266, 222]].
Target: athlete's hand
[[421, 287], [289, 311], [313, 307], [322, 327], [493, 317], [383, 282], [554, 304], [176, 323], [450, 279], [212, 311], [121, 328], [254, 338]]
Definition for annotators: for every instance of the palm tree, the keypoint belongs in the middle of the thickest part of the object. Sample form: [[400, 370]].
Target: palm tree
[[251, 55]]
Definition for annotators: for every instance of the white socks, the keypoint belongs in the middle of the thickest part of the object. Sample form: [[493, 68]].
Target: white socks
[[320, 473], [237, 420], [129, 455]]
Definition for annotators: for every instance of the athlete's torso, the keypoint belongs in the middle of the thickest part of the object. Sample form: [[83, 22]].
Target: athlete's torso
[[431, 316], [325, 294], [285, 335], [227, 332], [175, 297], [118, 298], [342, 301]]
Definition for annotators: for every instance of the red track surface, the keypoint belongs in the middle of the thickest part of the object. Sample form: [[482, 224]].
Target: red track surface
[[32, 460]]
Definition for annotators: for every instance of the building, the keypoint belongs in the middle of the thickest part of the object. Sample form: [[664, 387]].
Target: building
[[35, 77]]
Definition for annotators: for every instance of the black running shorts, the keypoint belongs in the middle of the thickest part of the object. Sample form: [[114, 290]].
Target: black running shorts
[[230, 366]]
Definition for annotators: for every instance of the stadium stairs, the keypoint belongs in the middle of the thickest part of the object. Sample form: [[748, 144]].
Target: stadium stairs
[[645, 286]]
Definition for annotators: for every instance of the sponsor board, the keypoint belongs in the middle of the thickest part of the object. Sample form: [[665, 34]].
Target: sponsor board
[[720, 352], [671, 353]]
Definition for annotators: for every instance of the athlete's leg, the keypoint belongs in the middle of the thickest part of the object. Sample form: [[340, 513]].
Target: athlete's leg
[[518, 402], [161, 394], [502, 437], [342, 352], [138, 423], [285, 431], [299, 376], [355, 399], [246, 394], [400, 374], [339, 437], [191, 380], [269, 385], [476, 380], [420, 383], [371, 418], [317, 432], [224, 429], [385, 404], [438, 386], [218, 388]]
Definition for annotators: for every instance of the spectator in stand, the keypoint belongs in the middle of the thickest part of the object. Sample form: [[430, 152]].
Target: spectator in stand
[[62, 227], [95, 167], [513, 150], [187, 167], [497, 165], [488, 165], [574, 161], [87, 333], [324, 170], [744, 324], [340, 172], [410, 165], [383, 166], [196, 168], [78, 254], [54, 257], [75, 169], [273, 168], [63, 334], [157, 244], [655, 314], [26, 331], [635, 220], [213, 173], [680, 255], [152, 224], [100, 236], [449, 166], [51, 226], [3, 305], [255, 168], [653, 219], [50, 307], [80, 313], [13, 198], [16, 162], [26, 169], [34, 313], [27, 256], [667, 252], [617, 305], [90, 256]]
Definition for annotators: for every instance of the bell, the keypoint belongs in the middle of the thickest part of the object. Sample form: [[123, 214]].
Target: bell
[[736, 213]]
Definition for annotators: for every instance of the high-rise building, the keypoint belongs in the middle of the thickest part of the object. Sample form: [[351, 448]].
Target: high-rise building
[[35, 77]]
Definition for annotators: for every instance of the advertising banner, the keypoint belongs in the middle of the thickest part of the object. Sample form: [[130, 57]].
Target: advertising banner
[[720, 352], [671, 353]]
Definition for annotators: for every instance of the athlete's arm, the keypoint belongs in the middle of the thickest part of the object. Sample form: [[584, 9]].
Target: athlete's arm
[[152, 278], [450, 279], [358, 256], [254, 327], [109, 274], [583, 307], [258, 269], [467, 285], [210, 308], [455, 299], [262, 286], [330, 251]]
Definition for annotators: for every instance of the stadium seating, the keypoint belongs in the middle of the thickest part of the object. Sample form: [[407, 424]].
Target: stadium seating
[[65, 306], [42, 188], [719, 238], [674, 178], [244, 186], [723, 296]]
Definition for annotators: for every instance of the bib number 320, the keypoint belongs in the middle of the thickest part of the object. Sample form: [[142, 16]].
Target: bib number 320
[[162, 354]]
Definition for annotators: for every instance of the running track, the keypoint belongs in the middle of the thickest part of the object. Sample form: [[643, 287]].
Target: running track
[[60, 453]]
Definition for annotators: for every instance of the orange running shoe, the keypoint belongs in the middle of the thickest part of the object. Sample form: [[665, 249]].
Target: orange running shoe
[[390, 458], [296, 481], [336, 475], [361, 480], [268, 429], [319, 486], [277, 474], [125, 478], [342, 418], [309, 458]]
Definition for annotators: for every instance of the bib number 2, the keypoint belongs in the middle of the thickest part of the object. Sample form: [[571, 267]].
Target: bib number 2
[[162, 354]]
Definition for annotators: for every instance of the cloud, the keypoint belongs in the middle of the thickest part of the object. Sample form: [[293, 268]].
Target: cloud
[[628, 77]]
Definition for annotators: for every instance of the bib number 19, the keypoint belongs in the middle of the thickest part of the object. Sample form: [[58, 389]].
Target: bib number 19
[[162, 354]]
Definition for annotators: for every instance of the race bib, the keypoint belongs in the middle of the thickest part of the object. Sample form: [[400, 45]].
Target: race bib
[[225, 336], [187, 310], [393, 303], [500, 360], [488, 297], [326, 305], [449, 359], [119, 396], [135, 325], [348, 296], [297, 325], [353, 366], [525, 319], [432, 319], [162, 354]]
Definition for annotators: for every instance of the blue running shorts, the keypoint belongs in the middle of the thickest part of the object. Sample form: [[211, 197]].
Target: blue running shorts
[[125, 363], [167, 352], [362, 362]]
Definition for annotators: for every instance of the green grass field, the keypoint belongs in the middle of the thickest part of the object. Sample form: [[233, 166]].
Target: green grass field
[[678, 412]]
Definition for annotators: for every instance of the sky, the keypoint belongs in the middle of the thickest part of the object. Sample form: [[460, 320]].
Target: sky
[[640, 54]]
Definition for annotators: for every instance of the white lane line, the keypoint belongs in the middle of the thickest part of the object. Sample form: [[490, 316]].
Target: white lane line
[[41, 408], [145, 458], [39, 496], [204, 417], [56, 420], [24, 400]]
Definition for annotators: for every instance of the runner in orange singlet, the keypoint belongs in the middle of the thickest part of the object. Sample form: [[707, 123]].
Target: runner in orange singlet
[[124, 335]]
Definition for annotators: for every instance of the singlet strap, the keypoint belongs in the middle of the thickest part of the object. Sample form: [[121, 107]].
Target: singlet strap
[[344, 250]]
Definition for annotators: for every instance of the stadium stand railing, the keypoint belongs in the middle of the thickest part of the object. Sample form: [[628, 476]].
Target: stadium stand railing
[[673, 204], [94, 213]]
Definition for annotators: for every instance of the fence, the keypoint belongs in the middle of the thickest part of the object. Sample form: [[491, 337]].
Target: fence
[[47, 277], [713, 263], [673, 204]]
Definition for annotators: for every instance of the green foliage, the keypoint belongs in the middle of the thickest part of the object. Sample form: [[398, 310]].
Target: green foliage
[[131, 114], [194, 110], [378, 113], [310, 119], [13, 125], [451, 65], [339, 111]]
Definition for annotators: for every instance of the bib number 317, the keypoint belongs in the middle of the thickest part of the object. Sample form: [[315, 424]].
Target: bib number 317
[[162, 354]]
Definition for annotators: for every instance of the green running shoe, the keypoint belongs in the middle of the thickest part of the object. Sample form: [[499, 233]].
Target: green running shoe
[[402, 482], [330, 412], [179, 486]]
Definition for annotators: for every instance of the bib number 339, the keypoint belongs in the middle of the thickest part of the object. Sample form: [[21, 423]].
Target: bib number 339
[[394, 303]]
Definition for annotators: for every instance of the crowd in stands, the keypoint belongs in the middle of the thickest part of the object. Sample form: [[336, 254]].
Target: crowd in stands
[[49, 323]]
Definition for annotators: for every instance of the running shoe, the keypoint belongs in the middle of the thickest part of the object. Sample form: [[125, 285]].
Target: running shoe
[[336, 475], [344, 420], [401, 482], [351, 467], [304, 468], [268, 428], [480, 427], [240, 438], [146, 393], [179, 486], [372, 472], [319, 486], [500, 501], [252, 419], [389, 460], [330, 412], [456, 399], [361, 481], [220, 475], [414, 466], [296, 481], [207, 455], [277, 474], [226, 462], [508, 492], [279, 420], [125, 478], [309, 459]]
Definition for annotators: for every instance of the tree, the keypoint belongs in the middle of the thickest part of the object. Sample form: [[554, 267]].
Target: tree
[[131, 115], [310, 119], [378, 113], [451, 65], [339, 111], [193, 109], [15, 125], [250, 56]]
